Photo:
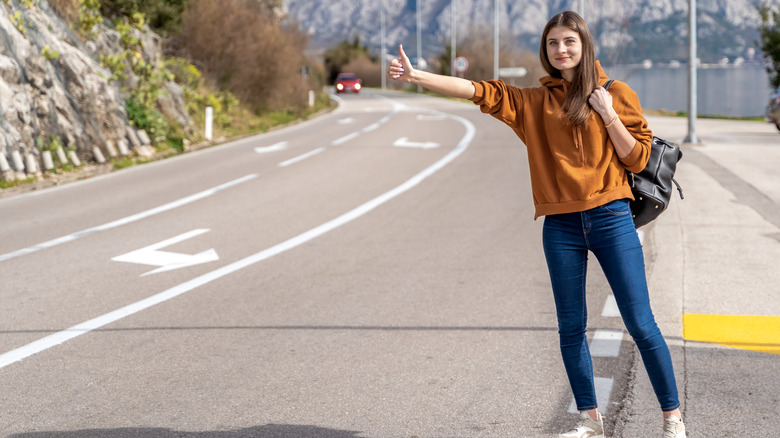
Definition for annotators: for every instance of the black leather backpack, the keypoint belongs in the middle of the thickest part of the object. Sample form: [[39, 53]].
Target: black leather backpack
[[652, 187]]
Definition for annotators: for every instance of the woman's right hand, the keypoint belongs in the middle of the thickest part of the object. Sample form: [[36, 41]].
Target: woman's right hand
[[401, 69]]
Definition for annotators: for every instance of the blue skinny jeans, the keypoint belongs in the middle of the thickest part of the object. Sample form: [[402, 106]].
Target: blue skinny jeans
[[607, 231]]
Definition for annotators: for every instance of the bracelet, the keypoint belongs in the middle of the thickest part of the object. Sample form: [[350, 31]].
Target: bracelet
[[612, 122]]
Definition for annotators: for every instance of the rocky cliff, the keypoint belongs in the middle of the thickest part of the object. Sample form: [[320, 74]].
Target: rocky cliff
[[58, 106]]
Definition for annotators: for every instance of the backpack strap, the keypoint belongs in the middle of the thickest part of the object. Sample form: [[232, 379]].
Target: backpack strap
[[609, 82]]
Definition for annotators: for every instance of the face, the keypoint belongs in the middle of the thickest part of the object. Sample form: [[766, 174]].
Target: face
[[564, 50]]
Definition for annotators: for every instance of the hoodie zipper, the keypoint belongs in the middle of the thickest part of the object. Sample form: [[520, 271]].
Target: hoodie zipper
[[576, 132]]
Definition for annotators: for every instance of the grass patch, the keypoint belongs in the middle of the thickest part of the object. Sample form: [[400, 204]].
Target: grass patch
[[8, 184], [121, 163], [242, 121]]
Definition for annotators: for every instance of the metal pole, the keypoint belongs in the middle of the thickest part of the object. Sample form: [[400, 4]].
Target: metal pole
[[582, 8], [419, 39], [453, 39], [383, 49], [495, 39], [692, 86]]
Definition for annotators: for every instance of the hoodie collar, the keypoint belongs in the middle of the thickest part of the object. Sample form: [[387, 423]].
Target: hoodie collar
[[553, 82]]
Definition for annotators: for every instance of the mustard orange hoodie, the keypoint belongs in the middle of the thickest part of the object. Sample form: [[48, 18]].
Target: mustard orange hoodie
[[573, 168]]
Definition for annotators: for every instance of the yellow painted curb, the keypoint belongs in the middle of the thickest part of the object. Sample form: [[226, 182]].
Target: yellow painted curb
[[757, 333]]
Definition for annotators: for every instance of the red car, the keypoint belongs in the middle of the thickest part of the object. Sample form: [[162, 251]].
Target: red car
[[348, 82]]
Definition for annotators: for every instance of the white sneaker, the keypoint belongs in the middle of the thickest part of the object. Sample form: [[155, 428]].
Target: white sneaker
[[674, 427], [586, 428]]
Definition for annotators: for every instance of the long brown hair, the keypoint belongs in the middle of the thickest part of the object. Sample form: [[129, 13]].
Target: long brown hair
[[585, 78]]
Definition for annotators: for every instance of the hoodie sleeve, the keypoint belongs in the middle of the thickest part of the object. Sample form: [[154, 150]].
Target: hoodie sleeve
[[500, 100], [626, 104]]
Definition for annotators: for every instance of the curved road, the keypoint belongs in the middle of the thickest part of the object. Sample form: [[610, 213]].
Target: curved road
[[373, 272]]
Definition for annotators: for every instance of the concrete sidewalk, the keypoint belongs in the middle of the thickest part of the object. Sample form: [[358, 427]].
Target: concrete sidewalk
[[714, 277]]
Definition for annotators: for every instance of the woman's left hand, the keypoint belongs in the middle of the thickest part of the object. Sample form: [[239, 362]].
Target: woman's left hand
[[601, 102]]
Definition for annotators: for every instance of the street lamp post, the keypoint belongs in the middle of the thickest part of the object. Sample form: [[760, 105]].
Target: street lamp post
[[383, 49], [692, 85], [453, 38], [495, 39], [419, 40]]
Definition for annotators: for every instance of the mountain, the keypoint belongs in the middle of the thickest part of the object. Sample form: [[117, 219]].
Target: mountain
[[625, 31]]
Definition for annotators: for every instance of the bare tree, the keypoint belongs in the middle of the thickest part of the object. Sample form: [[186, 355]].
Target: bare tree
[[478, 49]]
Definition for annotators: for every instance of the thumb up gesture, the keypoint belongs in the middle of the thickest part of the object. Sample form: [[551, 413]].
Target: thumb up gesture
[[401, 69]]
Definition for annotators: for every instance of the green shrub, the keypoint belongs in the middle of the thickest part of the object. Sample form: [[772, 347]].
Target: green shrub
[[161, 16], [148, 119]]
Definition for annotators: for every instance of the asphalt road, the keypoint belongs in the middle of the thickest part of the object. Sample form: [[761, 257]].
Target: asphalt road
[[374, 272]]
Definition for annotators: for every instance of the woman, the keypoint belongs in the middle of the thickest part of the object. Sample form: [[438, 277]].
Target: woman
[[580, 143]]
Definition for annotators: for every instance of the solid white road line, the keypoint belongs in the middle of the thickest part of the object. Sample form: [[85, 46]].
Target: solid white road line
[[108, 318], [126, 220]]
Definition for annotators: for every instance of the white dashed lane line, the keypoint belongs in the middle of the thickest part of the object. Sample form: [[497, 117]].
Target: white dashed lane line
[[302, 157], [606, 343], [611, 308], [603, 393], [345, 139]]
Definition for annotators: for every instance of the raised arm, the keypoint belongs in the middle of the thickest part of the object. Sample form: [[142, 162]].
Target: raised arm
[[403, 71]]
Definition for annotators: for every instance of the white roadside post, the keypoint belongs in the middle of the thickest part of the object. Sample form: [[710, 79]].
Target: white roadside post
[[16, 157], [61, 155], [209, 122], [48, 161], [5, 169], [74, 158], [31, 165], [98, 154]]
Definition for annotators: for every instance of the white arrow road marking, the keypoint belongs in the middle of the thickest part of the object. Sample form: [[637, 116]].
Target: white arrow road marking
[[276, 147], [404, 142], [168, 261]]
